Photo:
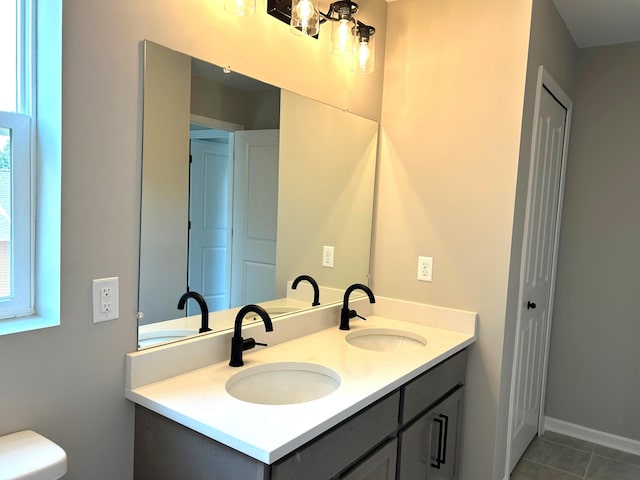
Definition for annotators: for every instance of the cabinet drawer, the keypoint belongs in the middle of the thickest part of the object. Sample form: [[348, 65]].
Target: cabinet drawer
[[425, 390], [331, 453]]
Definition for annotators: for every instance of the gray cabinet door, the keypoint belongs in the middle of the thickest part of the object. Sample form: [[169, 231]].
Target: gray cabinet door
[[331, 453], [380, 465], [429, 446]]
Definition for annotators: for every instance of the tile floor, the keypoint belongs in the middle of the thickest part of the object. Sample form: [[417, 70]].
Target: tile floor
[[557, 457]]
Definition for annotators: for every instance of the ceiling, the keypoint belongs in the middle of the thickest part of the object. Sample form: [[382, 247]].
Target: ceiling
[[601, 22]]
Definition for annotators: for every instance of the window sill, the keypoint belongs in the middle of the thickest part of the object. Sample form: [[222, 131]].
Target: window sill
[[26, 324]]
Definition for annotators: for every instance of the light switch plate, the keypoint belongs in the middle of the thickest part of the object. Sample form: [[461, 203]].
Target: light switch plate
[[105, 299]]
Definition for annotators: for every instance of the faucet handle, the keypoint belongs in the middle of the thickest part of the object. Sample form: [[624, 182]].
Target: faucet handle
[[249, 343], [353, 314]]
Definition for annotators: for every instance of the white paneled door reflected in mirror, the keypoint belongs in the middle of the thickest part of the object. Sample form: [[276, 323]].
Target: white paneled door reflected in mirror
[[243, 185]]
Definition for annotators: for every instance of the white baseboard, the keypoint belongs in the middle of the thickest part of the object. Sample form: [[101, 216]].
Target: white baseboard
[[594, 436]]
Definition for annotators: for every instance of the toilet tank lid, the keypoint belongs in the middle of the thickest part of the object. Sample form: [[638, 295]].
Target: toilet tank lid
[[27, 455]]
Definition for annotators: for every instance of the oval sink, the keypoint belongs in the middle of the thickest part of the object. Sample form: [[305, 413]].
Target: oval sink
[[147, 339], [283, 383], [386, 340]]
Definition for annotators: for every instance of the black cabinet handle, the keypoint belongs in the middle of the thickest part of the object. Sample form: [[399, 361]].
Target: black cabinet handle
[[438, 459], [531, 305], [444, 443]]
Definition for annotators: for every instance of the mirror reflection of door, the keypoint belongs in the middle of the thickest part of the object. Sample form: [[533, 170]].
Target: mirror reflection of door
[[210, 209], [255, 217], [233, 202]]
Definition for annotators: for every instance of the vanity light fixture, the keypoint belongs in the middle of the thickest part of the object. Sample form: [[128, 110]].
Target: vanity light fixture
[[240, 7], [348, 35], [343, 26]]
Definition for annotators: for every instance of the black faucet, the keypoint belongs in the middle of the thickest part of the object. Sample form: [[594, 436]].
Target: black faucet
[[204, 310], [238, 344], [345, 313], [314, 284]]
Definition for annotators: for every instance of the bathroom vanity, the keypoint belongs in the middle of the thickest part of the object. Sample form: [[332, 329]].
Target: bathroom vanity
[[394, 414]]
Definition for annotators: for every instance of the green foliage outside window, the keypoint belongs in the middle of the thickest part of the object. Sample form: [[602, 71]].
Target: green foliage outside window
[[5, 158]]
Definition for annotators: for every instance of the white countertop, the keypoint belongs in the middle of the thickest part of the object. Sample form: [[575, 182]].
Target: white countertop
[[198, 400]]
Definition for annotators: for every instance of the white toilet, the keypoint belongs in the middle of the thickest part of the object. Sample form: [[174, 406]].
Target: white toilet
[[27, 455]]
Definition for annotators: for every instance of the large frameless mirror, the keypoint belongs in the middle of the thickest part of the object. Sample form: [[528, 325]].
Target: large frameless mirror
[[243, 187]]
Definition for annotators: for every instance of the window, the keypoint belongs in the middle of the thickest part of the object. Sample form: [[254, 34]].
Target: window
[[16, 217], [31, 158]]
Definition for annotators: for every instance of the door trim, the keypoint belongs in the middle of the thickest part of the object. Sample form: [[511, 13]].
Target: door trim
[[214, 123], [544, 81]]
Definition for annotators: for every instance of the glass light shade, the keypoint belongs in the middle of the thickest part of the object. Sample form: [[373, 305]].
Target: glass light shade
[[305, 17], [364, 55], [342, 38], [240, 7]]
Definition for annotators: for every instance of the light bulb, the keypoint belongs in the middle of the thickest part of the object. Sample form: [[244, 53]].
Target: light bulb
[[363, 55], [304, 10], [363, 61], [305, 17], [342, 37]]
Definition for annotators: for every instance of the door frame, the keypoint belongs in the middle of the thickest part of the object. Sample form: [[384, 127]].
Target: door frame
[[214, 123], [544, 81]]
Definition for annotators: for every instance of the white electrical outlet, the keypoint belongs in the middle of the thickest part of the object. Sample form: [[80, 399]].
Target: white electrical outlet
[[105, 299], [425, 269], [327, 256]]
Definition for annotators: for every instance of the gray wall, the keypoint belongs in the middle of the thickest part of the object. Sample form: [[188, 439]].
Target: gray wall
[[253, 110], [594, 361]]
